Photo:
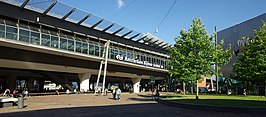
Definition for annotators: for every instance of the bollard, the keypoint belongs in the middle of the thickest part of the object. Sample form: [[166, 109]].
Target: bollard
[[20, 102]]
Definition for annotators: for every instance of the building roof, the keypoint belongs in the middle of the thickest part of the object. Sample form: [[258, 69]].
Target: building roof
[[65, 12]]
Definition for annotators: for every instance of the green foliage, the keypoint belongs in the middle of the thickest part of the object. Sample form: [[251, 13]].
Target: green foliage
[[195, 52], [251, 63]]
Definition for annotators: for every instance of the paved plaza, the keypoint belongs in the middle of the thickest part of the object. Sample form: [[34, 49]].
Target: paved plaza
[[86, 105]]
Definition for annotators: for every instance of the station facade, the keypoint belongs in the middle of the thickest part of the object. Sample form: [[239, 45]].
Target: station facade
[[51, 41]]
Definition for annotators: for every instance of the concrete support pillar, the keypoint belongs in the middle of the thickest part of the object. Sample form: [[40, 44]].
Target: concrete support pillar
[[30, 84], [11, 81], [136, 84], [41, 85], [84, 79]]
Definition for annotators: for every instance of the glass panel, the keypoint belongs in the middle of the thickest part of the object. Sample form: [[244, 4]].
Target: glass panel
[[124, 53], [112, 53], [101, 51], [14, 2], [70, 45], [59, 10], [78, 46], [91, 21], [45, 40], [97, 50], [84, 48], [2, 31], [91, 49], [24, 35], [39, 5], [35, 38], [54, 41], [128, 54], [76, 16], [63, 43], [11, 33]]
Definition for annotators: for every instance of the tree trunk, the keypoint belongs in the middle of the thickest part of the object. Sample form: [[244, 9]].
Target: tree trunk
[[191, 88], [197, 90], [184, 87], [265, 88]]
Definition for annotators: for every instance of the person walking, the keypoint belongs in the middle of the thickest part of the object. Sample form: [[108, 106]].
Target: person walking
[[118, 92], [105, 91], [114, 93]]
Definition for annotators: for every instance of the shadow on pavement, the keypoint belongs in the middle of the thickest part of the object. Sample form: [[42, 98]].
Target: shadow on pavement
[[224, 102], [141, 99], [129, 110]]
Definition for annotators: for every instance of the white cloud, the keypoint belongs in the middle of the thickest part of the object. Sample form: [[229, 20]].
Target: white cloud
[[120, 3]]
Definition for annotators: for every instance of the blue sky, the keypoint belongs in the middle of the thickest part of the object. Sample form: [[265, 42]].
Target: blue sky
[[145, 15]]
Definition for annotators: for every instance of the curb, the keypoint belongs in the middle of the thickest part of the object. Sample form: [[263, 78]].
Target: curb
[[217, 108]]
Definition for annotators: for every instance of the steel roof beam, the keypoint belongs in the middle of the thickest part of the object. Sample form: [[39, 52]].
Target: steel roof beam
[[108, 27], [164, 46], [96, 24], [157, 45], [141, 38], [82, 20], [118, 31], [49, 8], [127, 34], [24, 3], [134, 36], [153, 43], [68, 14], [148, 40]]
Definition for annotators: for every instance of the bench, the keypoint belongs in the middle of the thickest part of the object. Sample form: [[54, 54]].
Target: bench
[[7, 102]]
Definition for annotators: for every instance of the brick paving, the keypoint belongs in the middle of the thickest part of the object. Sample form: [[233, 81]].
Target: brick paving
[[86, 105]]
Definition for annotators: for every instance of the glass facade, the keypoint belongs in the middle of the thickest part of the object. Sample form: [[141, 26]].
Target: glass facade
[[47, 38]]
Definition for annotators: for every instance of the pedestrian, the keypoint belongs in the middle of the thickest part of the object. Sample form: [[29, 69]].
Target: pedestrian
[[105, 91], [244, 91], [7, 93], [118, 92], [99, 90], [67, 92], [15, 93], [114, 93], [157, 95]]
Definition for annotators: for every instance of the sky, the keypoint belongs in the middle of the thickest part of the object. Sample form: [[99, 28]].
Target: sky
[[146, 15]]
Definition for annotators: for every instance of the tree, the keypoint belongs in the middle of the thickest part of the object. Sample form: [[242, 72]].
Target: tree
[[251, 63], [194, 52]]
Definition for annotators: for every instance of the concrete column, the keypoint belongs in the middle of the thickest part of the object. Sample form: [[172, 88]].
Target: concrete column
[[11, 81], [136, 84], [84, 81], [41, 85], [30, 84]]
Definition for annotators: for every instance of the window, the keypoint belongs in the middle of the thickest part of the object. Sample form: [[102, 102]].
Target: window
[[45, 40], [84, 48], [70, 45], [97, 50], [35, 38], [63, 43], [2, 30], [24, 35], [11, 32], [101, 50], [128, 54], [54, 41], [124, 53], [78, 46], [91, 49], [112, 53]]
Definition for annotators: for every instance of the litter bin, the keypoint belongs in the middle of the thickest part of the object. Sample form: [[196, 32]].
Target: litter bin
[[20, 102]]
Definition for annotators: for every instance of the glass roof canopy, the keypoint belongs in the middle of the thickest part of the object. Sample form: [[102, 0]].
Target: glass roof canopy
[[62, 11]]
